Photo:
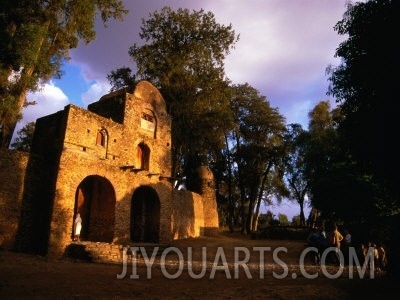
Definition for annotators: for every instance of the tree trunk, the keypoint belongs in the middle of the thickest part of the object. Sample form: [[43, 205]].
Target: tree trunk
[[10, 124], [6, 133], [302, 218], [231, 204], [256, 214]]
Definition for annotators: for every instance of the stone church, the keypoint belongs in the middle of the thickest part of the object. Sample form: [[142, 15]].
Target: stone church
[[112, 164]]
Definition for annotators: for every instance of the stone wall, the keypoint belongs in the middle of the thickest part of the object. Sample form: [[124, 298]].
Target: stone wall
[[41, 175], [204, 184], [114, 162], [211, 219], [188, 214], [111, 166]]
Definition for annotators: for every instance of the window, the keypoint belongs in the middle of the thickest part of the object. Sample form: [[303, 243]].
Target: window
[[142, 156], [101, 138]]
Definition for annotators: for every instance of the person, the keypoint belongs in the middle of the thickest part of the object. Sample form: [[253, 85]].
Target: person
[[347, 237], [323, 239], [363, 253], [382, 259], [322, 231], [313, 240], [78, 227], [346, 244], [335, 240]]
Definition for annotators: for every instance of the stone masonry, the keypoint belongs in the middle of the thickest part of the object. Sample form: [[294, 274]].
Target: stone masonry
[[112, 164]]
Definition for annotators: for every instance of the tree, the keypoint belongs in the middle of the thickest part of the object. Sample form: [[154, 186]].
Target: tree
[[322, 151], [184, 57], [35, 39], [24, 138], [296, 221], [295, 166], [257, 149], [366, 89], [338, 188], [283, 219], [121, 78]]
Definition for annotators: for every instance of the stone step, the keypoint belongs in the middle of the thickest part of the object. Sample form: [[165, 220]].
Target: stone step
[[110, 253]]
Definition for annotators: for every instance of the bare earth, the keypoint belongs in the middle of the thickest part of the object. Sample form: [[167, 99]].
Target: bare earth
[[24, 276]]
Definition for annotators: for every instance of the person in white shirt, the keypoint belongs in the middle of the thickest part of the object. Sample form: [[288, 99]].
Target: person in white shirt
[[78, 227]]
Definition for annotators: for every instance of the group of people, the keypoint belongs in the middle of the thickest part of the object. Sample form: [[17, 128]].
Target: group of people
[[379, 255], [322, 240]]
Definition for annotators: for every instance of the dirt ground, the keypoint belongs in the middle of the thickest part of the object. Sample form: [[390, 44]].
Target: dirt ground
[[25, 276]]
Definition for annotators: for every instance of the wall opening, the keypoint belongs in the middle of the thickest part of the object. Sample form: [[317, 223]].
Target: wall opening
[[102, 138], [145, 216], [95, 201], [143, 157]]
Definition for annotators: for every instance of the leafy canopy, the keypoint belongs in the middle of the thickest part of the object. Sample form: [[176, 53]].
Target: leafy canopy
[[23, 141], [183, 55], [35, 39], [365, 86]]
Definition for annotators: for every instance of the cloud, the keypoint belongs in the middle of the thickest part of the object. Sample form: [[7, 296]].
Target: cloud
[[283, 51], [95, 92], [49, 99]]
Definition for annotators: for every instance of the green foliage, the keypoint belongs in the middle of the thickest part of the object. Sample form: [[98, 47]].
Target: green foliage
[[283, 219], [23, 141], [267, 219], [365, 86], [35, 39], [296, 221], [310, 156], [296, 144], [338, 186], [184, 49], [256, 148], [121, 78], [183, 56]]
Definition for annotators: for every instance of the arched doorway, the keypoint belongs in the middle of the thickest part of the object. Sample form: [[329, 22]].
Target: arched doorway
[[95, 201], [145, 216]]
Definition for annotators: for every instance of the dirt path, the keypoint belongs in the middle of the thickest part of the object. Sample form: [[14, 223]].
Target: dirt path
[[25, 276]]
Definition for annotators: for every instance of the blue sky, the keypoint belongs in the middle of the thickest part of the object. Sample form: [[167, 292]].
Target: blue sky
[[73, 77], [283, 51]]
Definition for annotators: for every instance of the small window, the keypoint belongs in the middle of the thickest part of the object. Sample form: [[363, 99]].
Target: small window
[[101, 138]]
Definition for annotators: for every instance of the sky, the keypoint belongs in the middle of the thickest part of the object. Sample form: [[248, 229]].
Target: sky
[[283, 51]]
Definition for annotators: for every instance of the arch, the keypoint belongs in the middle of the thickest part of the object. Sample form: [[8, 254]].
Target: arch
[[143, 157], [145, 215], [95, 201], [102, 138]]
